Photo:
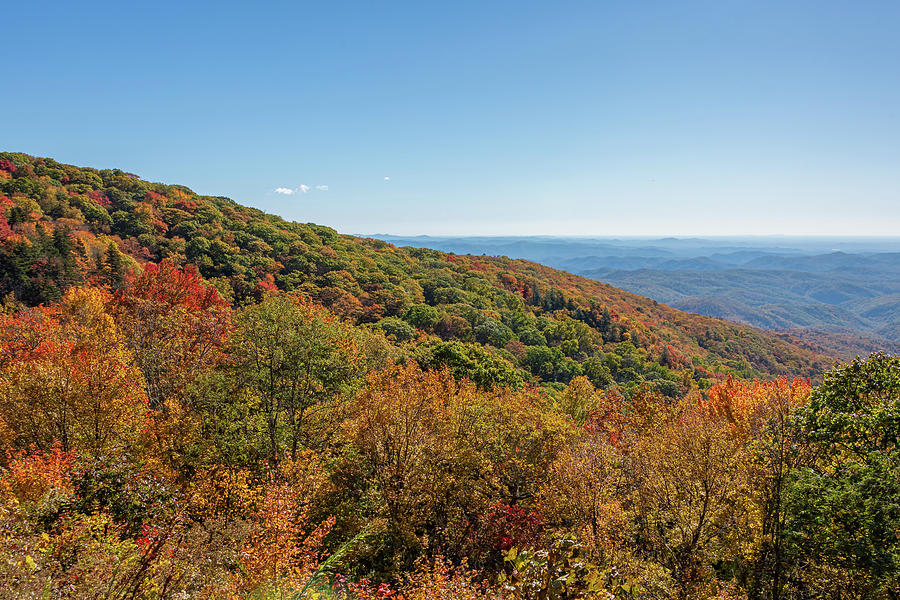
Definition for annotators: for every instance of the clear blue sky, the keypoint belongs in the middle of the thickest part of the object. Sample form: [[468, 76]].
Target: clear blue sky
[[580, 118]]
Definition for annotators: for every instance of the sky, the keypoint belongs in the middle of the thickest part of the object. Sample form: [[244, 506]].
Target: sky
[[718, 117]]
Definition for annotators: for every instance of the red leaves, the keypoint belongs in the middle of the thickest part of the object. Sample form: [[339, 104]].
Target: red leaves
[[505, 527], [22, 334], [5, 230], [185, 204], [149, 534], [155, 198], [170, 286], [174, 323], [100, 198], [266, 285], [365, 590]]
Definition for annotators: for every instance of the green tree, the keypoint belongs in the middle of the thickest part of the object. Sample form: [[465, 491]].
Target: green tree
[[844, 509], [113, 266], [493, 332], [296, 359], [422, 316], [469, 361]]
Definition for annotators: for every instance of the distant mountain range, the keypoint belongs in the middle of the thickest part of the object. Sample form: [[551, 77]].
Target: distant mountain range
[[841, 294]]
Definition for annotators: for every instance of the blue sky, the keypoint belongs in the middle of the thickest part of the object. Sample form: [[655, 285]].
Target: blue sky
[[577, 118]]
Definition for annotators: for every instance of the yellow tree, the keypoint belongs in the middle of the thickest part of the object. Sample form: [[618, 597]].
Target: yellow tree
[[758, 417], [520, 435], [412, 430], [690, 495], [73, 381], [584, 492]]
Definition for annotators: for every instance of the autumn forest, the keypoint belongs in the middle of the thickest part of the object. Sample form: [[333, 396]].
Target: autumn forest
[[202, 400]]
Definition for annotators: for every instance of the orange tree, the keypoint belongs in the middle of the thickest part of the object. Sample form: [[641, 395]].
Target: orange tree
[[442, 463]]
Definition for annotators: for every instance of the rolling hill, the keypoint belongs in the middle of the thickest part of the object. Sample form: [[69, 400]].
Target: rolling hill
[[65, 225], [815, 289]]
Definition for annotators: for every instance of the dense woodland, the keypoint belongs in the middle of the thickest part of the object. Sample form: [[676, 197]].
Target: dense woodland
[[846, 302], [199, 400]]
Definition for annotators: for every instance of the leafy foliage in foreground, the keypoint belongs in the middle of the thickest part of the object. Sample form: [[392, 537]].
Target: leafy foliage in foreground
[[298, 455]]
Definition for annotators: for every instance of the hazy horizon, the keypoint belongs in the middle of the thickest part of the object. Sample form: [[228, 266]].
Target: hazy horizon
[[685, 245]]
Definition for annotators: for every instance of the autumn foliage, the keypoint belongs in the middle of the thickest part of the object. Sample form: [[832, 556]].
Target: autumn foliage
[[201, 401]]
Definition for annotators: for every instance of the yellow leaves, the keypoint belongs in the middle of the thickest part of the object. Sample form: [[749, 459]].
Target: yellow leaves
[[223, 493], [284, 549], [578, 398], [169, 437], [304, 473], [585, 487], [402, 421], [68, 377], [84, 316], [438, 453]]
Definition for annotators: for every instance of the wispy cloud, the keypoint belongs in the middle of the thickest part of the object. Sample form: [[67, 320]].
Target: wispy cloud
[[303, 189], [387, 179]]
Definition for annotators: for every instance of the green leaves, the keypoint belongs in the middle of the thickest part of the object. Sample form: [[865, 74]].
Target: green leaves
[[844, 509]]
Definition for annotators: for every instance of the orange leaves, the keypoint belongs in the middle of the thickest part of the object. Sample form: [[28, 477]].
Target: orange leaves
[[31, 474], [402, 421], [22, 334], [229, 493], [282, 550], [220, 492], [431, 580], [438, 453], [747, 407]]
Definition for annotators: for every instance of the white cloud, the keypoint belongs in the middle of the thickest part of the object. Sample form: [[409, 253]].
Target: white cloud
[[303, 189], [386, 179]]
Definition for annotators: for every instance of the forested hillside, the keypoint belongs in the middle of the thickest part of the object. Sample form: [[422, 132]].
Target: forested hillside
[[68, 225], [833, 292], [199, 400]]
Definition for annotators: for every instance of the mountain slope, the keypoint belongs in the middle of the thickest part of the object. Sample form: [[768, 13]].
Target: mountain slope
[[64, 225], [802, 285]]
